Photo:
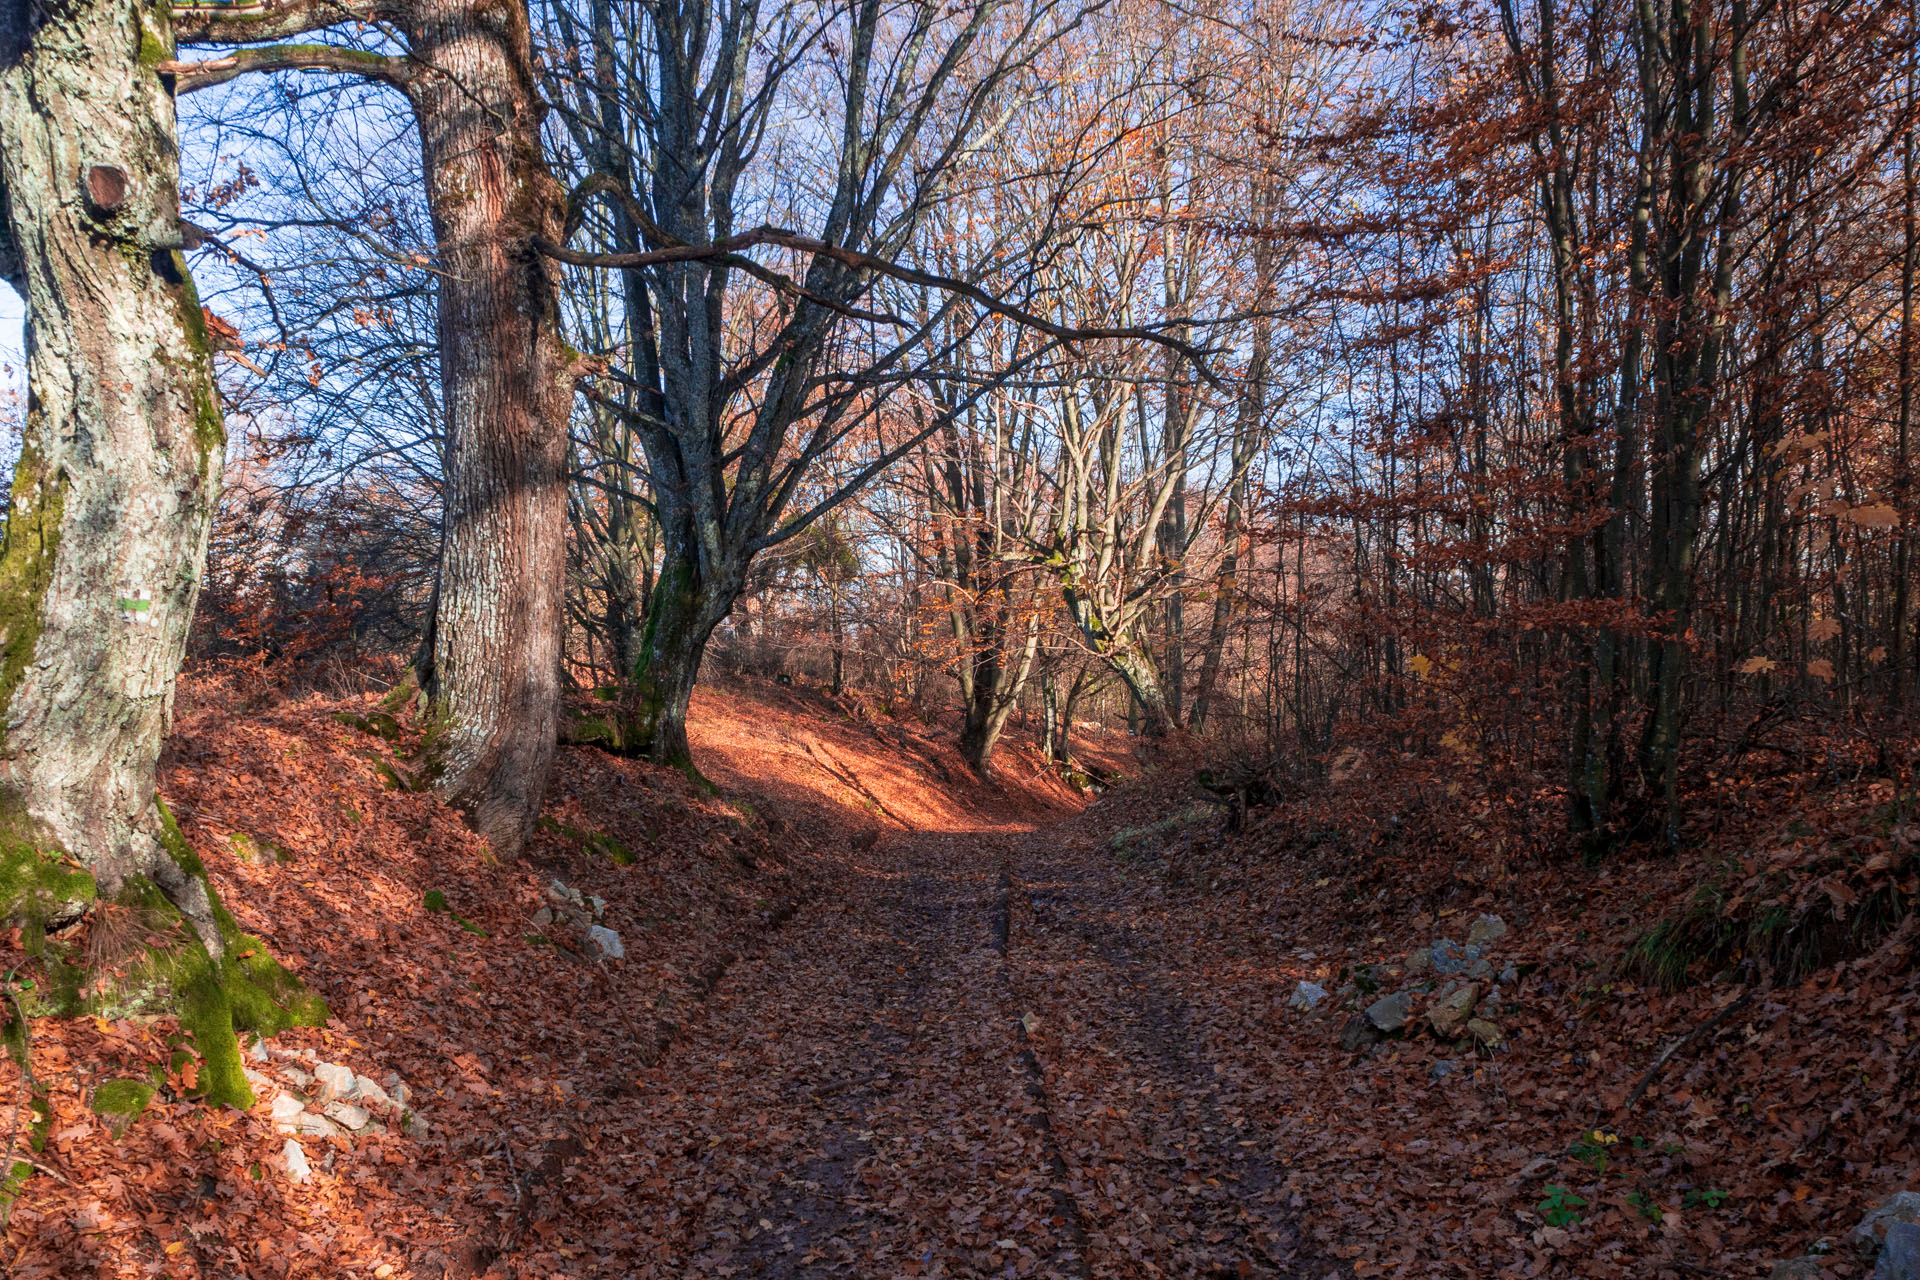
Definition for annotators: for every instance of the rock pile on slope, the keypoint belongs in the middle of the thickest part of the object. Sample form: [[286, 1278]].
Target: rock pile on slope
[[1455, 1010], [311, 1098]]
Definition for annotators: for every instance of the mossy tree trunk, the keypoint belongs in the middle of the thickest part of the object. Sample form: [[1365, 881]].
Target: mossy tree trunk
[[120, 464], [106, 537], [687, 605], [1128, 659]]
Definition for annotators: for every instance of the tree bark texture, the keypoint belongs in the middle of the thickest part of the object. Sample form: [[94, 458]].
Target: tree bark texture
[[120, 464], [493, 668], [508, 381]]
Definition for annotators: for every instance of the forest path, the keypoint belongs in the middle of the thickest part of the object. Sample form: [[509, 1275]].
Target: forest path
[[963, 1060]]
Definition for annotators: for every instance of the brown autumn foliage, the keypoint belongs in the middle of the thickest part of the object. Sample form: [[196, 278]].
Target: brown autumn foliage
[[1540, 549]]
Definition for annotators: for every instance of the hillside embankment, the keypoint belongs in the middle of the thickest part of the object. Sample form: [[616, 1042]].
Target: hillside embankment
[[854, 1012]]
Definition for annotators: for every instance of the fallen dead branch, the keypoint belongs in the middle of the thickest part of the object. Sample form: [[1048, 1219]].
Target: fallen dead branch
[[1686, 1042]]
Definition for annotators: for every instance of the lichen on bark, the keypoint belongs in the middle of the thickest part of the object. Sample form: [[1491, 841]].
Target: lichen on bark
[[27, 551]]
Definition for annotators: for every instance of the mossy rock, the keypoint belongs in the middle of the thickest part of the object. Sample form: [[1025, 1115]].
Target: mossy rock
[[257, 852], [582, 730], [121, 1102]]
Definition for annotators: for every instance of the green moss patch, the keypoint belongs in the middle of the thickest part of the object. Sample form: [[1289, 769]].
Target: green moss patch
[[245, 990], [380, 724], [597, 842], [256, 852], [26, 562], [120, 1103], [37, 881], [169, 971], [436, 902]]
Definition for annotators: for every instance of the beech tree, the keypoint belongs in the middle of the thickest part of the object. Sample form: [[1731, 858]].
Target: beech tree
[[491, 663], [983, 508], [106, 530], [737, 403]]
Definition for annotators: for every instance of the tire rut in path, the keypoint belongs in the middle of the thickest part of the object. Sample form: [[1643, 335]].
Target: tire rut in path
[[1069, 1217], [880, 1122], [1191, 1151], [863, 1098]]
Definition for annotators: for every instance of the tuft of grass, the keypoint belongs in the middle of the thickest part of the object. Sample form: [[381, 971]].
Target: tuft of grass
[[1702, 935], [1770, 921], [1128, 842]]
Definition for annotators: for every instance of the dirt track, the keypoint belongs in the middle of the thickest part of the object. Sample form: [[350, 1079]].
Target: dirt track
[[863, 1098]]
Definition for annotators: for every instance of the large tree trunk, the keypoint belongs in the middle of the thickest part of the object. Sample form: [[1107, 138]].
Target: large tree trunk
[[106, 536], [120, 463], [509, 382], [492, 669]]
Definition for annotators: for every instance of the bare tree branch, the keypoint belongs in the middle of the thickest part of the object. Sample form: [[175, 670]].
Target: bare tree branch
[[206, 73], [254, 23], [730, 246]]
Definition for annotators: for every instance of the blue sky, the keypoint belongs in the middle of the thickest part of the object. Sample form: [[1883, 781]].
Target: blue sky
[[12, 311], [13, 374]]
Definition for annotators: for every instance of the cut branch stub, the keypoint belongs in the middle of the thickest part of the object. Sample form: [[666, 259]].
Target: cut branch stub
[[105, 188]]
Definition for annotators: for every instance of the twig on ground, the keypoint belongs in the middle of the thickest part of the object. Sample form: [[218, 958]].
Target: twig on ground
[[1726, 1011], [828, 1091]]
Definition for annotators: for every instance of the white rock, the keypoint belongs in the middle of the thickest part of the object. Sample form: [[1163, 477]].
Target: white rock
[[300, 1079], [312, 1126], [369, 1094], [543, 917], [331, 1080], [608, 941], [296, 1161], [257, 1050], [349, 1115], [288, 1107], [599, 906], [260, 1080], [1307, 995], [397, 1089], [413, 1124]]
